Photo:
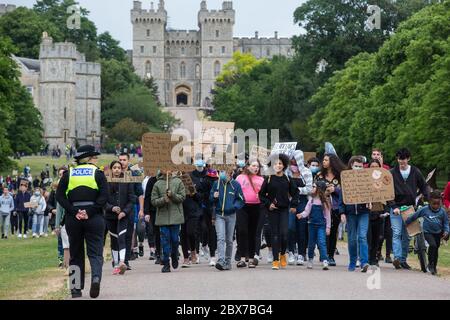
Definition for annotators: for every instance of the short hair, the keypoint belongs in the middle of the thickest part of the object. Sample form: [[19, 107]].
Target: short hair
[[377, 149], [436, 194], [355, 159], [313, 159], [283, 158], [125, 154], [375, 161], [403, 154]]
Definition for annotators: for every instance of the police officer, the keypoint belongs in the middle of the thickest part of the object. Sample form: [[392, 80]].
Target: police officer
[[83, 192]]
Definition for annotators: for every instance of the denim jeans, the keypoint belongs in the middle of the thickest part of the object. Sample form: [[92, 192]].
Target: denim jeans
[[4, 223], [60, 248], [317, 235], [297, 237], [45, 224], [357, 228], [225, 229], [400, 238], [38, 223], [170, 239]]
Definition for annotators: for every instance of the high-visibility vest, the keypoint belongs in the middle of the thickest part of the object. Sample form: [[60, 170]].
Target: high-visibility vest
[[82, 176]]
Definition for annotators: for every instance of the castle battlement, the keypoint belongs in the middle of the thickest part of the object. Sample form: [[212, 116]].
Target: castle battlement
[[88, 68], [5, 8], [139, 15], [58, 50], [225, 15], [183, 35]]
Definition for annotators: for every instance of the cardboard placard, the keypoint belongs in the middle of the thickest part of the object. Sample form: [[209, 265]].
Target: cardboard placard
[[414, 227], [127, 178], [287, 148], [216, 132], [309, 155], [367, 186], [188, 184], [15, 172], [260, 153], [157, 152], [30, 205]]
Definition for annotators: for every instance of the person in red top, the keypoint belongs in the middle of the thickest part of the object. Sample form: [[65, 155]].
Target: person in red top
[[447, 197], [378, 155]]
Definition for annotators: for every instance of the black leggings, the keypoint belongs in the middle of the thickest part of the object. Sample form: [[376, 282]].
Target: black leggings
[[23, 220], [129, 237], [209, 236], [332, 238], [279, 221], [374, 238], [117, 230], [155, 238], [263, 227], [386, 233], [434, 241], [248, 219], [14, 223], [189, 236]]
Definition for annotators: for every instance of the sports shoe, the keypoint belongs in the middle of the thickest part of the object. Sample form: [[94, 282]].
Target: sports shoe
[[206, 253], [388, 259], [283, 261], [364, 268], [165, 268], [141, 251], [35, 235], [219, 266], [397, 264], [116, 271], [325, 265], [212, 262], [174, 261], [270, 257], [152, 256], [25, 236], [275, 265], [406, 266], [122, 268], [41, 234], [158, 260], [94, 292], [256, 259], [332, 263], [291, 259], [186, 263], [309, 264], [76, 293], [241, 264], [19, 235], [45, 235], [358, 264], [300, 260]]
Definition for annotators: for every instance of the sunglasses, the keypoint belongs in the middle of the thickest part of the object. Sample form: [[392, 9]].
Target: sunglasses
[[23, 185]]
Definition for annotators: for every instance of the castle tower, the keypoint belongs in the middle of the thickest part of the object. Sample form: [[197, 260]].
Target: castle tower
[[216, 29], [149, 27], [57, 91]]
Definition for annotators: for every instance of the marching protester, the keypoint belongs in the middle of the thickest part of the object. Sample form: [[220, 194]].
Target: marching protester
[[167, 196], [153, 234], [280, 195], [357, 218], [330, 173], [435, 227], [407, 180], [6, 208], [83, 192], [60, 228], [249, 216], [22, 197], [38, 213], [319, 223], [227, 197], [118, 207], [314, 166], [298, 228]]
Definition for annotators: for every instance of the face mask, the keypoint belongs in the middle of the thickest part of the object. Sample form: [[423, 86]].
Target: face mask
[[37, 194], [199, 164], [223, 176], [357, 168], [241, 163], [314, 170], [294, 169]]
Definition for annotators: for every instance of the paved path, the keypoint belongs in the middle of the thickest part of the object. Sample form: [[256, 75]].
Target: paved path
[[202, 282]]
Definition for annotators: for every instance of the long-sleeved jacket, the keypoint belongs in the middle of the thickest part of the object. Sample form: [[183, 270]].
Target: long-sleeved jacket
[[149, 209], [406, 191], [281, 191], [168, 213], [119, 195], [433, 221], [326, 211], [352, 209], [231, 197], [6, 204], [20, 199], [41, 204], [447, 196], [60, 216], [306, 174]]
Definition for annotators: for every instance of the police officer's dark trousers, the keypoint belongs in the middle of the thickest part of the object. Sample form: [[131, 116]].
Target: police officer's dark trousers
[[92, 231]]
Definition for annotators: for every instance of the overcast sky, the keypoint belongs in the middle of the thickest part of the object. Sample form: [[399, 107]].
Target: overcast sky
[[265, 16]]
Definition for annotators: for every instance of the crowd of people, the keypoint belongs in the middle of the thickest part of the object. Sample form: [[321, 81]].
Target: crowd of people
[[297, 207]]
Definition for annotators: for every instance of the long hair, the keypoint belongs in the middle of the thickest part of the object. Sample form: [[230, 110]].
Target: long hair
[[248, 173], [336, 165], [323, 198]]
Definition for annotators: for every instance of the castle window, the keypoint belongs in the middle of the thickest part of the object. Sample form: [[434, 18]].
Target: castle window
[[148, 69], [154, 49], [183, 70], [183, 50], [216, 69], [93, 116], [197, 51], [167, 50], [210, 49], [217, 33], [223, 50], [142, 49], [167, 71], [197, 71], [93, 88], [268, 51], [148, 32], [65, 113], [65, 136]]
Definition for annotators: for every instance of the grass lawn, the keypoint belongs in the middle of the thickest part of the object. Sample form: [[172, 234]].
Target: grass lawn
[[29, 269]]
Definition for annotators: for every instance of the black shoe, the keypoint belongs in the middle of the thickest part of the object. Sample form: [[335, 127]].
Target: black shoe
[[95, 288], [263, 246], [331, 262], [380, 257], [241, 264], [165, 268], [406, 266], [128, 266], [158, 260], [141, 251], [219, 266], [3, 236], [336, 252], [76, 293], [174, 262], [152, 256], [397, 264], [237, 256], [388, 259]]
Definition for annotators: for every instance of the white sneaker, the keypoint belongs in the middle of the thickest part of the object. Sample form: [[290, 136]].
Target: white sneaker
[[325, 265], [212, 262], [256, 257], [270, 257], [206, 253], [46, 235], [358, 263], [300, 260], [41, 234], [25, 236], [34, 235], [291, 258], [19, 235], [309, 265]]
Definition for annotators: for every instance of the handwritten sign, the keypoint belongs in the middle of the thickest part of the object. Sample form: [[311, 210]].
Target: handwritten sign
[[157, 150], [367, 186], [287, 148], [127, 178], [414, 227], [15, 172], [260, 153], [309, 155], [188, 184], [30, 205], [216, 132]]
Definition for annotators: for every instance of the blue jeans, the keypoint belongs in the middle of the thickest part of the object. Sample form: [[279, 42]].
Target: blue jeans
[[169, 241], [225, 230], [297, 237], [38, 223], [317, 235], [400, 238], [357, 228], [60, 248]]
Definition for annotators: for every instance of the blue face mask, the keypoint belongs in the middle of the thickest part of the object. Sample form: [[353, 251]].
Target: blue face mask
[[241, 163], [223, 176], [315, 170]]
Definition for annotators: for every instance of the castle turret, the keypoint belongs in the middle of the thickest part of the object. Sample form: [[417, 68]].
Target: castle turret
[[216, 29], [57, 90], [149, 27]]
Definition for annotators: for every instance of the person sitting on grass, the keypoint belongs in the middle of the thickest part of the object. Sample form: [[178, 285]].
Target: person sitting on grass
[[435, 227]]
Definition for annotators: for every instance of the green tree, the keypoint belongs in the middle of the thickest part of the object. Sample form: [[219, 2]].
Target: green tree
[[150, 83], [110, 48], [116, 76], [128, 131]]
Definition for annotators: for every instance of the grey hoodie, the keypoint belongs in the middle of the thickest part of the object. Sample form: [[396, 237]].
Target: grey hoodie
[[6, 204], [306, 173]]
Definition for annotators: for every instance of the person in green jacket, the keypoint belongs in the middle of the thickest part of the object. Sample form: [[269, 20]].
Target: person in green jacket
[[168, 195]]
